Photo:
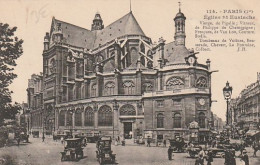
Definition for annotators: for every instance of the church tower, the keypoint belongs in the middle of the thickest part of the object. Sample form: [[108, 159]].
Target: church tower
[[97, 23], [180, 35]]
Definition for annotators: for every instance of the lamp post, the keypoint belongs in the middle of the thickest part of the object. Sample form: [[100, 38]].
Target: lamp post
[[227, 92]]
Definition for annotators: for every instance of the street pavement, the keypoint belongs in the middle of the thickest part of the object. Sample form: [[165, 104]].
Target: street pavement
[[48, 153]]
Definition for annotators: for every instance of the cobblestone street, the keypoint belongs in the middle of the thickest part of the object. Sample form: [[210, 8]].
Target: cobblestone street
[[48, 153]]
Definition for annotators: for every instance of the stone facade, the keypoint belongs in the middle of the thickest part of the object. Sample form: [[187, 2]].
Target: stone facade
[[35, 102], [115, 80], [247, 111]]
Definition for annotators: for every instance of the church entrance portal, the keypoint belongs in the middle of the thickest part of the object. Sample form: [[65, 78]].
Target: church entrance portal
[[128, 133]]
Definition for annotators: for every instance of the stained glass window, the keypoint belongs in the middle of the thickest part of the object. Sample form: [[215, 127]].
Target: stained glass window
[[105, 116], [89, 116]]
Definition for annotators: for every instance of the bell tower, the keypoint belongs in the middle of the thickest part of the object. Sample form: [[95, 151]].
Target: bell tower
[[179, 20], [97, 23]]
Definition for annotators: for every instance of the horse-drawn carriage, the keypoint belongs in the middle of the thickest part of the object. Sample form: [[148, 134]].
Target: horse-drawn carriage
[[73, 149], [104, 151], [178, 144]]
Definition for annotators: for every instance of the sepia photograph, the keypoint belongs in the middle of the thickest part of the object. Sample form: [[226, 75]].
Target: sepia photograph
[[129, 82]]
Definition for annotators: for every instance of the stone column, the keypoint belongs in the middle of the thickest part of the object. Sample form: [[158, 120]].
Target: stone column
[[83, 117], [95, 108], [65, 124], [138, 82], [116, 92], [73, 119], [117, 57]]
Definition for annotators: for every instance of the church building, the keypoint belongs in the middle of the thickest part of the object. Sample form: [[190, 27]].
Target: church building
[[115, 80]]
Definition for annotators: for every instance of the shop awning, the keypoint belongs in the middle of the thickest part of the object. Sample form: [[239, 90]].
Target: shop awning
[[252, 133]]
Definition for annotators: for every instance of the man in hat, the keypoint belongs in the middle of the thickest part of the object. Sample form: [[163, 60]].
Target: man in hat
[[244, 157], [170, 150]]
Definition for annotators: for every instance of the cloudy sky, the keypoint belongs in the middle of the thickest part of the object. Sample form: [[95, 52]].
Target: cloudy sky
[[33, 19]]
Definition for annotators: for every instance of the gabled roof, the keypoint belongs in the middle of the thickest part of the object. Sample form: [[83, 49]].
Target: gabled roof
[[175, 54], [81, 37], [125, 25]]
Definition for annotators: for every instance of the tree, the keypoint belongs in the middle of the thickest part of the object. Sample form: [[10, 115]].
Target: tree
[[10, 51]]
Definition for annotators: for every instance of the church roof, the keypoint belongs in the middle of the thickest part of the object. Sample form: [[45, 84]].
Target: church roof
[[81, 37], [75, 35], [125, 25], [175, 54]]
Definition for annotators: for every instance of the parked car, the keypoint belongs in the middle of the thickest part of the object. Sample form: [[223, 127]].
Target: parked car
[[73, 149], [104, 153]]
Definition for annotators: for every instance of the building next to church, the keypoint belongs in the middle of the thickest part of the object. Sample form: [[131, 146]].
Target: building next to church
[[247, 107], [114, 79]]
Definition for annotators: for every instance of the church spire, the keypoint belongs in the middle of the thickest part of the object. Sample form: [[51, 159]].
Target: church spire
[[97, 23], [180, 27]]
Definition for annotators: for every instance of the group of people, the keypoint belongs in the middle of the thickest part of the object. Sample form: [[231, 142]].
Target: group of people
[[204, 155]]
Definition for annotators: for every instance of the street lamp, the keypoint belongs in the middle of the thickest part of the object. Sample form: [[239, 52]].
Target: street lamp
[[227, 92]]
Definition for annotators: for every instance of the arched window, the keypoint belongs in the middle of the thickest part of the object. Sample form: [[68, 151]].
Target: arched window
[[52, 66], [174, 83], [148, 87], [93, 90], [62, 118], [127, 110], [177, 120], [69, 118], [142, 48], [89, 116], [129, 87], [149, 64], [142, 60], [105, 117], [78, 90], [78, 117], [150, 54], [160, 120], [109, 88], [202, 118], [201, 82], [99, 58]]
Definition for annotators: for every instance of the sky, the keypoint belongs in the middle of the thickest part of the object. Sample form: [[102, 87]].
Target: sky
[[33, 19]]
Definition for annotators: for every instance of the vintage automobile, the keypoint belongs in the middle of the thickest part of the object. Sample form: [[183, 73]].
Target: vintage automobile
[[73, 149], [104, 153], [178, 144]]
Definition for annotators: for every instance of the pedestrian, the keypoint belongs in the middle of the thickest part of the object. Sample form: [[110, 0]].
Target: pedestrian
[[227, 157], [209, 158], [131, 134], [170, 150], [255, 147], [202, 152], [199, 160], [232, 159], [148, 142], [244, 157], [62, 140], [43, 138], [164, 142], [6, 142], [18, 141], [242, 147]]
